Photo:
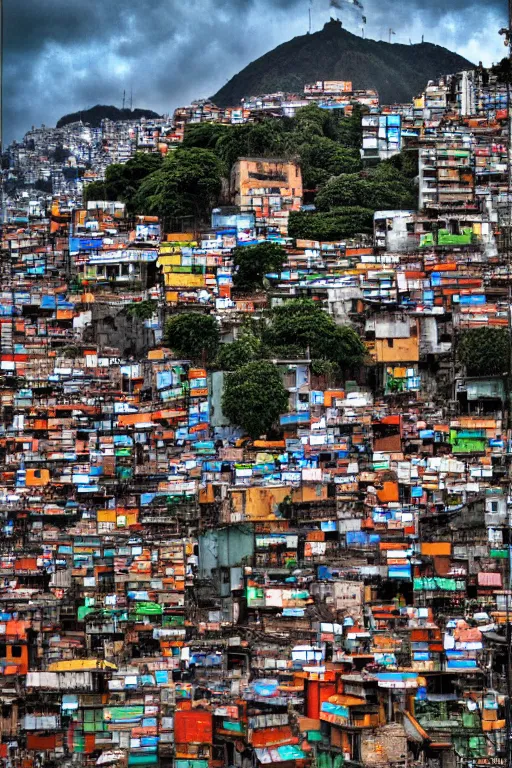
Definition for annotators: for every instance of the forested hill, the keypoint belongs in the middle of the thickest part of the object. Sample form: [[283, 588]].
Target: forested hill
[[95, 115], [398, 72]]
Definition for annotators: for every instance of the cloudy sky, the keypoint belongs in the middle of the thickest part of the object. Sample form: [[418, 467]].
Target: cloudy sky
[[65, 55]]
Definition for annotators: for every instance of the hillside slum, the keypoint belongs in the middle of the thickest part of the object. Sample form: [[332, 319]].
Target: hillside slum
[[176, 594]]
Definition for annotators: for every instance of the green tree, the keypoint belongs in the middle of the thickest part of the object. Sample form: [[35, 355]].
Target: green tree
[[409, 162], [349, 131], [240, 352], [44, 185], [303, 322], [143, 310], [126, 179], [346, 131], [187, 185], [338, 224], [365, 192], [193, 336], [253, 262], [310, 121], [122, 181], [254, 397], [340, 191], [484, 351], [96, 190], [406, 162], [61, 154], [326, 143], [503, 70], [350, 350], [321, 158], [270, 138], [205, 135]]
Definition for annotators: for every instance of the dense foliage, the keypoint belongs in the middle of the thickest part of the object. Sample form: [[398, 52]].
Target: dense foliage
[[334, 225], [182, 188], [122, 182], [303, 323], [484, 351], [186, 186], [252, 262], [254, 397], [204, 135], [365, 191], [502, 70], [143, 310], [345, 204], [60, 154], [243, 350], [322, 158], [325, 143], [193, 336]]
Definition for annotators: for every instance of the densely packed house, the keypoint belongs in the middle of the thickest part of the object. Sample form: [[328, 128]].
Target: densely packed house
[[174, 593]]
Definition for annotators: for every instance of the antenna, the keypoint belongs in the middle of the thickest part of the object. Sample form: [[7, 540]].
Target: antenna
[[391, 32], [310, 20], [131, 98], [124, 99]]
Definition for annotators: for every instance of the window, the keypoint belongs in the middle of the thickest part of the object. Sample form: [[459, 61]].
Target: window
[[16, 651]]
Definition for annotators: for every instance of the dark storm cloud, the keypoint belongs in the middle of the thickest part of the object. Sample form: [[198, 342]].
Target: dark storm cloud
[[63, 55]]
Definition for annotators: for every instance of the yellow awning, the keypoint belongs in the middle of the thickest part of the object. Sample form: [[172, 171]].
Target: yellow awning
[[84, 665], [347, 701]]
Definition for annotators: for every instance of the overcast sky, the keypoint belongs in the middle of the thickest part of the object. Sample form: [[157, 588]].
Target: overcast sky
[[64, 55]]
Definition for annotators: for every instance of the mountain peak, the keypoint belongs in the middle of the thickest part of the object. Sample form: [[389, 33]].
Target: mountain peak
[[398, 72], [333, 24], [94, 115]]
